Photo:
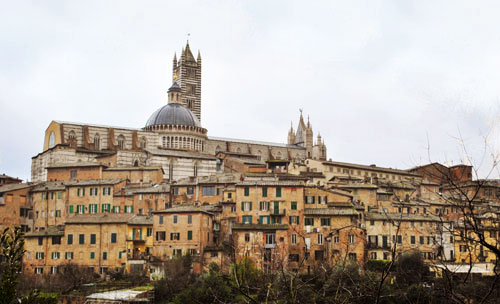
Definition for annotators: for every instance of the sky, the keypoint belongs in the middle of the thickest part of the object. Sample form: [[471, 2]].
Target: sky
[[391, 83]]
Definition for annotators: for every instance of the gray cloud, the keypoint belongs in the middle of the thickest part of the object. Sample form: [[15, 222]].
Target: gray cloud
[[376, 78]]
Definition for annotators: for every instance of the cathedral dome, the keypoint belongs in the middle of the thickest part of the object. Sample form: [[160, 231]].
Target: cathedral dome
[[173, 114]]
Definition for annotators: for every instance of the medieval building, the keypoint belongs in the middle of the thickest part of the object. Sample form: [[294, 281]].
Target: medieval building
[[173, 137]]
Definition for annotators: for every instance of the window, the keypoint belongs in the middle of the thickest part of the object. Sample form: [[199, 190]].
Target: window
[[293, 206], [92, 239], [325, 221], [58, 213], [309, 221], [293, 220], [39, 270], [70, 209], [149, 232], [247, 191], [129, 209], [351, 238], [412, 240], [93, 208], [104, 255], [247, 219], [56, 240], [116, 209], [294, 239], [70, 239], [81, 239], [264, 219], [113, 237], [161, 219], [278, 191], [293, 257], [40, 241], [352, 256], [92, 255], [421, 240], [247, 237], [39, 255], [190, 190], [320, 239], [175, 219], [208, 190], [69, 255], [264, 192], [190, 219], [55, 255], [160, 235], [310, 199], [121, 142], [190, 235], [246, 206], [264, 206], [175, 236]]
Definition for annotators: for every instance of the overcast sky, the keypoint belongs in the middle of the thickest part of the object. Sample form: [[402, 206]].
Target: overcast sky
[[382, 81]]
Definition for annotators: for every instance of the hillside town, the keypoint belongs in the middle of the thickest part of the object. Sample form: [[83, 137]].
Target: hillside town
[[120, 199]]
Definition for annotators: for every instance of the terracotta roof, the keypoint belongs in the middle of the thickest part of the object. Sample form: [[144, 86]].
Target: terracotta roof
[[141, 220], [272, 183], [13, 187], [370, 168], [260, 227], [185, 209], [160, 188], [73, 165], [94, 182], [254, 142], [5, 176], [50, 231], [330, 211], [402, 217], [52, 186], [358, 186], [151, 168], [100, 219]]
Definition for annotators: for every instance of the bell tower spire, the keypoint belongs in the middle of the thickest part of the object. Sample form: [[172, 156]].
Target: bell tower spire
[[188, 76]]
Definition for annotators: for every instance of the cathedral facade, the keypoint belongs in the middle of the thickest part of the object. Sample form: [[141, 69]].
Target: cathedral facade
[[173, 137]]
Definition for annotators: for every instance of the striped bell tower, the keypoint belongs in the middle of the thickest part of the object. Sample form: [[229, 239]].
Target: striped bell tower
[[187, 73]]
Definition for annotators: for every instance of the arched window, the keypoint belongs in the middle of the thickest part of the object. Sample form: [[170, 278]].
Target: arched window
[[143, 142], [121, 142], [195, 170], [164, 142], [72, 139], [217, 149], [136, 163], [171, 171], [71, 135], [97, 142], [52, 139]]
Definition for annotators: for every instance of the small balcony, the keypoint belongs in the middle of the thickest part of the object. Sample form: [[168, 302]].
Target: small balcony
[[278, 212], [270, 246], [378, 246]]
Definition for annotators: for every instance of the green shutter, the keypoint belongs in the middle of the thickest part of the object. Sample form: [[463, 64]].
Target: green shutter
[[278, 191], [264, 191], [297, 217], [250, 206], [289, 220], [294, 206], [102, 208], [59, 195], [247, 191], [140, 233], [131, 209], [78, 191], [250, 217], [83, 190], [313, 199], [71, 209], [190, 235], [242, 206], [92, 255]]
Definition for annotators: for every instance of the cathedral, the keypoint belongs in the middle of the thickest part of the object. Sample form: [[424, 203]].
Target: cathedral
[[173, 137]]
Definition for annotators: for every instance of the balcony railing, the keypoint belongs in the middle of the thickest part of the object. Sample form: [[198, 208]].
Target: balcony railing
[[278, 212], [378, 246]]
